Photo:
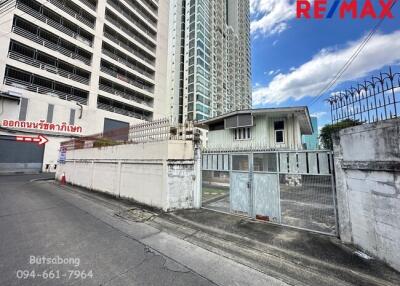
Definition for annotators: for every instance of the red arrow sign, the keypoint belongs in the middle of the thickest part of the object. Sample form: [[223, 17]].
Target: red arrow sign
[[39, 140]]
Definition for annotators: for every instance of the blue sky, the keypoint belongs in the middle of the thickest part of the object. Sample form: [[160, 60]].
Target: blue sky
[[293, 59]]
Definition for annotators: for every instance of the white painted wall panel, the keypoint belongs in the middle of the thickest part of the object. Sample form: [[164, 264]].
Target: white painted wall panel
[[143, 183]]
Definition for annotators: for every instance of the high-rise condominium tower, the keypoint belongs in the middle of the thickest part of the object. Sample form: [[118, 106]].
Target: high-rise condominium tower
[[209, 58]]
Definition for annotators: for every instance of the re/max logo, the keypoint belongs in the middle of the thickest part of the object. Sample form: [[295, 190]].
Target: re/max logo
[[357, 9]]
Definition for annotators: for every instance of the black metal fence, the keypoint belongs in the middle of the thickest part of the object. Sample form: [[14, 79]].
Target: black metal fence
[[370, 101]]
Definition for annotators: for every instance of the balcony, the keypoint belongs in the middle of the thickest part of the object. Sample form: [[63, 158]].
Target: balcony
[[123, 59], [44, 38], [127, 45], [143, 12], [123, 109], [116, 21], [92, 4], [34, 83], [21, 32], [38, 59], [144, 27], [75, 11], [49, 68], [150, 4], [126, 78], [124, 92], [42, 13]]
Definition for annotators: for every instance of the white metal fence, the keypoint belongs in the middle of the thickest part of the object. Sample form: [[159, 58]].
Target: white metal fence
[[149, 131]]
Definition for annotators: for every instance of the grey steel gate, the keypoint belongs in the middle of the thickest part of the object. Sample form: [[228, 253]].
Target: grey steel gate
[[266, 187], [20, 156], [294, 188], [240, 184]]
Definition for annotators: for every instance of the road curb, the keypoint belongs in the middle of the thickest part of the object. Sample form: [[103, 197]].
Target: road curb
[[41, 180]]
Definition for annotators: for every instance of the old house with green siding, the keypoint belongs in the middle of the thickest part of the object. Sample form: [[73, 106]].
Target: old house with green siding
[[266, 128]]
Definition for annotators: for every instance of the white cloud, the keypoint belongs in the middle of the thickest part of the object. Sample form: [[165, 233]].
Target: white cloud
[[319, 114], [273, 72], [311, 77], [271, 16]]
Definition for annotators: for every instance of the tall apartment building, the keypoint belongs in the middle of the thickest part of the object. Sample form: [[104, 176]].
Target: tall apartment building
[[312, 141], [77, 67], [209, 58]]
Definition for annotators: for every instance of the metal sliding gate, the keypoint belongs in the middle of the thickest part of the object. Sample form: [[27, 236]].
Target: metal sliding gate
[[294, 188]]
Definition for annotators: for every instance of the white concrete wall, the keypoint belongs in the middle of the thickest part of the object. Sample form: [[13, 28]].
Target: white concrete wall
[[181, 178], [144, 182], [367, 163], [158, 174], [171, 150]]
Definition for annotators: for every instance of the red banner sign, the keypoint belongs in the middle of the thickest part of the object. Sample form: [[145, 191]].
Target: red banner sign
[[42, 125]]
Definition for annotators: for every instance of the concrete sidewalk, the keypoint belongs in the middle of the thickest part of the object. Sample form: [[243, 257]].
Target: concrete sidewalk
[[293, 256]]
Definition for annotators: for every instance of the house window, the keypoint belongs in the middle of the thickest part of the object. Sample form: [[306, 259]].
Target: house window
[[279, 127], [243, 133]]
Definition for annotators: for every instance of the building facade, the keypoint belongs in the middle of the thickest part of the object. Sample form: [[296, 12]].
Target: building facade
[[312, 141], [209, 58], [258, 129], [70, 68]]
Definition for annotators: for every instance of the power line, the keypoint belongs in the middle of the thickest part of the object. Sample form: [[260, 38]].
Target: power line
[[351, 59], [346, 65]]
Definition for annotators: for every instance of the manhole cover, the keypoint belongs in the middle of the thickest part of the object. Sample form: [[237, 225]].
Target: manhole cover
[[135, 214]]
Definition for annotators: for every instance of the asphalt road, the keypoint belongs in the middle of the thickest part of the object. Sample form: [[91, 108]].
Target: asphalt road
[[52, 236]]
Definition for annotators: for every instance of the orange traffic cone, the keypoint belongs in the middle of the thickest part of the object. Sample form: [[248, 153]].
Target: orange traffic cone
[[63, 179]]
